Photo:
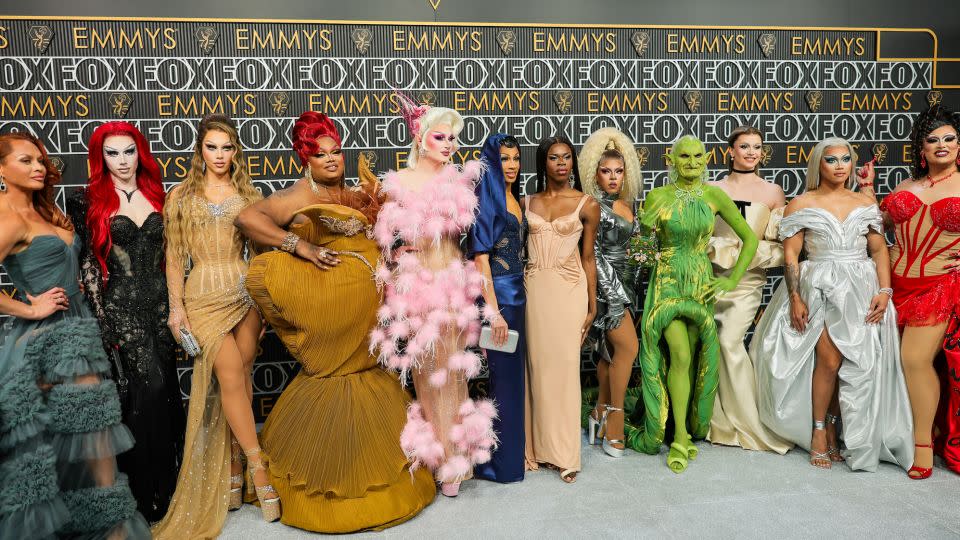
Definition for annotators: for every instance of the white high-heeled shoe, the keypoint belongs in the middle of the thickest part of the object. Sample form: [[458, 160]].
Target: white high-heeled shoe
[[594, 426], [607, 445]]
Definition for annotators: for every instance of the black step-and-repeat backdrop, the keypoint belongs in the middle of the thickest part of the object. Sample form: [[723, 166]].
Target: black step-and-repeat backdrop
[[61, 78]]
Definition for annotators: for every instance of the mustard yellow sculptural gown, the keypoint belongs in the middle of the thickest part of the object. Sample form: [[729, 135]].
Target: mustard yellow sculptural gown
[[333, 438], [215, 301], [736, 421]]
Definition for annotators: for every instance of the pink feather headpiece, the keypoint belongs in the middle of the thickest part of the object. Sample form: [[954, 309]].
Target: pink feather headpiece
[[411, 112]]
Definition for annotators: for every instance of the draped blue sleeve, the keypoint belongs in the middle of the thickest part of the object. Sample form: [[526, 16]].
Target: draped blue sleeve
[[492, 197]]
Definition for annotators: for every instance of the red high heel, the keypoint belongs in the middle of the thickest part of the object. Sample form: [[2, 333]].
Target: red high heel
[[924, 472]]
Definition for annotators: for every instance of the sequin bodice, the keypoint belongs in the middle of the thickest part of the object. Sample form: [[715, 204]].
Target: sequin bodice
[[218, 248], [927, 234], [506, 257]]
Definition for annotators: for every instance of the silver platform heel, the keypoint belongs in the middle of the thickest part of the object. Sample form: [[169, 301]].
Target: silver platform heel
[[269, 506], [595, 426], [608, 447]]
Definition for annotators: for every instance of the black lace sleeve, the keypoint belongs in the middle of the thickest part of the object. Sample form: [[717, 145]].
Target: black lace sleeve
[[91, 276]]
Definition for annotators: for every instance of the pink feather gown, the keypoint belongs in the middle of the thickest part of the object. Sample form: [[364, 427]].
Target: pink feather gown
[[429, 317]]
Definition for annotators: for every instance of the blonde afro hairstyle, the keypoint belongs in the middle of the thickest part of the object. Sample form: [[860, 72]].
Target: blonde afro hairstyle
[[606, 143]]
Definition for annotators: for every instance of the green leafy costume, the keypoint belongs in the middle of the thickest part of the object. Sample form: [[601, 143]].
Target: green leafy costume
[[683, 222]]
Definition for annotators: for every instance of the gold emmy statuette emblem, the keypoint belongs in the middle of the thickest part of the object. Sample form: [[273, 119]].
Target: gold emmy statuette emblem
[[41, 36], [279, 101], [371, 157], [362, 38], [120, 103], [693, 99], [507, 41], [564, 100], [880, 152], [58, 163], [814, 100], [427, 97], [640, 41], [767, 42], [934, 97], [767, 154], [643, 154], [206, 38], [435, 4]]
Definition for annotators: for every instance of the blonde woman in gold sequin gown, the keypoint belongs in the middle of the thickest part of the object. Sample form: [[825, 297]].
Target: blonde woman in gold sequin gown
[[214, 306]]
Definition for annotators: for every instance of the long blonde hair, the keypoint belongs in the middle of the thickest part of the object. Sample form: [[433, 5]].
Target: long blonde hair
[[181, 221]]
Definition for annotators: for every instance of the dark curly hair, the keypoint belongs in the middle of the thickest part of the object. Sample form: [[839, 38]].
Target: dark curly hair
[[929, 120]]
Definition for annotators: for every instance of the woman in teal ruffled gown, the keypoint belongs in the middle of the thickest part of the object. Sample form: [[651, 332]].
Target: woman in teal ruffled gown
[[60, 424]]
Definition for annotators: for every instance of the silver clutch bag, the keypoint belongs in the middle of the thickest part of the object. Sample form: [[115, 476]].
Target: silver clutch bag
[[189, 343], [486, 340]]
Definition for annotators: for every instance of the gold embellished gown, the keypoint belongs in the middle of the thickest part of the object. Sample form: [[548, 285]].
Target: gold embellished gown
[[333, 436], [736, 421], [215, 301]]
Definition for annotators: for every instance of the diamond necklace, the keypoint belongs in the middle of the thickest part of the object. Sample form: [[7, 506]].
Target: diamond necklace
[[686, 196]]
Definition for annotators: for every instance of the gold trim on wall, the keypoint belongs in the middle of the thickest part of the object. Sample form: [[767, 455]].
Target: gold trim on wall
[[935, 59]]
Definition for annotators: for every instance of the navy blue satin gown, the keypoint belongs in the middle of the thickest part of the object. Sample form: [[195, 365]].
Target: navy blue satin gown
[[507, 369], [497, 233]]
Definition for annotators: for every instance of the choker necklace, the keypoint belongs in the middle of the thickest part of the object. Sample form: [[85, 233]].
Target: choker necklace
[[128, 194], [751, 171]]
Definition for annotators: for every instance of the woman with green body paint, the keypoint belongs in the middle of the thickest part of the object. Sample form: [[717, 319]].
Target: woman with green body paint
[[680, 351]]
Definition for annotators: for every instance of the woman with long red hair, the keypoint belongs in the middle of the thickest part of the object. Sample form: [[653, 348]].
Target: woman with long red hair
[[60, 424], [119, 219]]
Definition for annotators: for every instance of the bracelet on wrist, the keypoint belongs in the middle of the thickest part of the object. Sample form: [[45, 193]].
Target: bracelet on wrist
[[887, 291], [289, 243]]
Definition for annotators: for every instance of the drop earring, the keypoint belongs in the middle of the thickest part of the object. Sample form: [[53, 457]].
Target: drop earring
[[3, 185], [923, 162]]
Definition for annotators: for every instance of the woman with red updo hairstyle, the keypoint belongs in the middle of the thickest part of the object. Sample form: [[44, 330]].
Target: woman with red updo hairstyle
[[334, 434], [121, 262]]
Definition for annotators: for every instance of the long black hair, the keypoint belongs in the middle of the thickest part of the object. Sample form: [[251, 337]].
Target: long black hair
[[542, 149], [929, 120]]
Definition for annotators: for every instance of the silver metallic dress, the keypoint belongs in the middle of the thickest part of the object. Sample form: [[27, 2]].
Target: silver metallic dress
[[837, 281], [616, 280]]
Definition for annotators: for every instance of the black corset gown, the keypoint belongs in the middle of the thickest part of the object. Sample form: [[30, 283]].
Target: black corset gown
[[132, 309]]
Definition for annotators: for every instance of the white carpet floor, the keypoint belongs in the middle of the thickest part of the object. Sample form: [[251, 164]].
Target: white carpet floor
[[725, 493]]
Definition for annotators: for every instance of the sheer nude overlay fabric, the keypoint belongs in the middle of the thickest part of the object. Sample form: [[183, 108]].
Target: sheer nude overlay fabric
[[215, 300]]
